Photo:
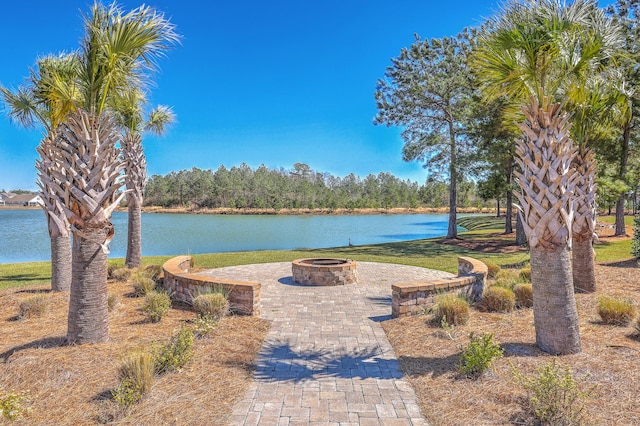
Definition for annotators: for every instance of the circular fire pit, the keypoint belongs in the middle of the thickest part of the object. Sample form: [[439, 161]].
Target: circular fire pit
[[324, 271]]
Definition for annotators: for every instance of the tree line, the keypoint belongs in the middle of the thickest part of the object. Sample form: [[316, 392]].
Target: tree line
[[301, 187]]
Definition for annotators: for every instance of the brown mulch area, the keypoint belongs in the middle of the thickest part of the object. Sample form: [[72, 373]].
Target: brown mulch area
[[72, 384], [430, 358]]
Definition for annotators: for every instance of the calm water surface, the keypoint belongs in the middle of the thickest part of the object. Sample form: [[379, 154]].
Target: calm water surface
[[24, 236]]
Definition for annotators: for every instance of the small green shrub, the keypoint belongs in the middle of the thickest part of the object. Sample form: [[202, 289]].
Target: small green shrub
[[176, 353], [142, 285], [554, 396], [13, 405], [113, 300], [506, 278], [498, 299], [156, 305], [203, 326], [33, 307], [479, 354], [616, 311], [525, 274], [492, 268], [211, 305], [121, 274], [136, 378], [524, 295], [452, 310]]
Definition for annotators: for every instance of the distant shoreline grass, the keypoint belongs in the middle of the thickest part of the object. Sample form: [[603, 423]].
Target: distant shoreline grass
[[430, 253]]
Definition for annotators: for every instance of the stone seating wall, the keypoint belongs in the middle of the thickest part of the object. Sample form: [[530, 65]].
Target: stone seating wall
[[414, 298], [244, 297]]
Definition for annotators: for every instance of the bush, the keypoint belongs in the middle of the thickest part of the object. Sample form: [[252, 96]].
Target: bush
[[525, 274], [110, 269], [33, 307], [554, 396], [479, 354], [121, 274], [142, 285], [524, 295], [211, 305], [498, 299], [176, 353], [451, 310], [13, 405], [156, 305], [616, 311], [203, 327], [136, 378], [153, 271], [507, 279], [113, 300], [492, 268]]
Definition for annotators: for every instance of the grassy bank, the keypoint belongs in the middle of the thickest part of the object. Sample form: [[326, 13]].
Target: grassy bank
[[482, 241]]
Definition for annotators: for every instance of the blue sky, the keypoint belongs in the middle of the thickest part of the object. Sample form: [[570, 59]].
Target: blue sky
[[261, 82]]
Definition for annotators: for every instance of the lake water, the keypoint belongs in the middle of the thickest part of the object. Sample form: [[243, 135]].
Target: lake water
[[24, 236]]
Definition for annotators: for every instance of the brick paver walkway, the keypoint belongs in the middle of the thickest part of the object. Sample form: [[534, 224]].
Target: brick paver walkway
[[326, 359]]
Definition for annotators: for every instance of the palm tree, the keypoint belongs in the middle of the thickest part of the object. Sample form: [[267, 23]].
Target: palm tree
[[118, 50], [130, 116], [46, 98], [531, 52]]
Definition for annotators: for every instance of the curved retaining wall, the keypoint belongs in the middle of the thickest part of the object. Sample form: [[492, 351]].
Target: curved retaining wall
[[244, 297], [413, 298]]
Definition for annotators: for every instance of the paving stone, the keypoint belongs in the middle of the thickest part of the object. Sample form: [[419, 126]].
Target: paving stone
[[326, 359]]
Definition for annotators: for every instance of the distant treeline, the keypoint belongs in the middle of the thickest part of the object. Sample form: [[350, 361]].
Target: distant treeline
[[299, 188]]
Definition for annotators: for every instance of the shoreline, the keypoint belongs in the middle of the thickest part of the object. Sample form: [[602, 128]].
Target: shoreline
[[316, 212]]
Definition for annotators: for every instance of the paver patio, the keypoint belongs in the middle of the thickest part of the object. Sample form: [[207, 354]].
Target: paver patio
[[326, 359]]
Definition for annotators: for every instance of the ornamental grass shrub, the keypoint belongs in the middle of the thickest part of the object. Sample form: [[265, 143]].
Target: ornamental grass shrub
[[156, 305], [175, 353], [616, 311], [492, 269], [451, 310], [525, 274], [153, 271], [498, 299], [121, 274], [554, 397], [479, 354], [33, 307], [524, 295], [211, 305], [142, 285], [136, 375], [113, 300]]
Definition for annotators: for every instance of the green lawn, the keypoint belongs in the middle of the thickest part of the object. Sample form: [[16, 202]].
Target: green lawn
[[428, 253], [628, 220]]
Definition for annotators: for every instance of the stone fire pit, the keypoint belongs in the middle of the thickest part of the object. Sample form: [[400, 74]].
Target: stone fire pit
[[329, 272]]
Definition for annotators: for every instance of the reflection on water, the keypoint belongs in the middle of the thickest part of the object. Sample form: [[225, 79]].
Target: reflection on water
[[24, 235]]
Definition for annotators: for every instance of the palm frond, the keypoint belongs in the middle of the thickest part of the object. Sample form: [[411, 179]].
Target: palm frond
[[159, 119]]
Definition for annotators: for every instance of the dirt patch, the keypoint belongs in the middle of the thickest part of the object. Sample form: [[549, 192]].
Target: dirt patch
[[72, 384], [430, 358]]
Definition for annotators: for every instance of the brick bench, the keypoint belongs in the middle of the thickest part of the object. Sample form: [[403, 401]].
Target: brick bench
[[413, 298], [244, 297]]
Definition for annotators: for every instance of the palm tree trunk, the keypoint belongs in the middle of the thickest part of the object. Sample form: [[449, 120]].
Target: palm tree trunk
[[547, 183], [87, 149], [134, 234], [554, 305], [50, 172], [584, 277], [61, 263], [88, 320]]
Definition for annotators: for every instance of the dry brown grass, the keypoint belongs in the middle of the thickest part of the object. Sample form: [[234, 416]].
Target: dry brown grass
[[72, 384], [609, 360]]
